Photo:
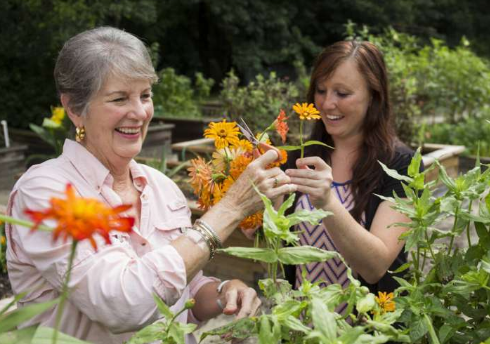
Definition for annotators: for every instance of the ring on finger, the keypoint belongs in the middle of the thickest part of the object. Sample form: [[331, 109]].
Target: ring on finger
[[275, 181]]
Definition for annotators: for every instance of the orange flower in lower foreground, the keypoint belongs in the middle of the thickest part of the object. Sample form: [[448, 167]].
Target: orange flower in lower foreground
[[385, 302], [81, 218]]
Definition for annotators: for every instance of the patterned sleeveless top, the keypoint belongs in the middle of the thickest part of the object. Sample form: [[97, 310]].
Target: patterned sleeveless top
[[334, 270]]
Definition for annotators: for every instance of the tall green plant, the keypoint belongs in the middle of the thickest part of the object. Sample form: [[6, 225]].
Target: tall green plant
[[446, 295], [307, 315]]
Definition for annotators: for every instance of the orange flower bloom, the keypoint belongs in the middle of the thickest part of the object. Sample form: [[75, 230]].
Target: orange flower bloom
[[217, 193], [284, 158], [200, 173], [80, 218], [282, 127], [385, 302], [204, 201], [306, 111], [252, 221], [238, 165]]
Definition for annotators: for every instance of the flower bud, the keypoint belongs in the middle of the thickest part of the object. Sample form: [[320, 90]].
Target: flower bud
[[366, 304], [189, 303]]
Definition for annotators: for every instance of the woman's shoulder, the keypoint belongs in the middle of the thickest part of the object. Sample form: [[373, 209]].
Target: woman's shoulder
[[52, 172], [402, 155]]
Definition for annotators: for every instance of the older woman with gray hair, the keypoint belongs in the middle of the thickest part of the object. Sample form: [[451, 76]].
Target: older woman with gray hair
[[104, 77]]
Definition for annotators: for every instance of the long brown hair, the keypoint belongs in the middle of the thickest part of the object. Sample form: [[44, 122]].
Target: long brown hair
[[379, 136]]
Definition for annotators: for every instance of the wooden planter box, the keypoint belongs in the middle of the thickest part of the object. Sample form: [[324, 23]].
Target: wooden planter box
[[467, 163], [447, 155], [35, 145], [158, 141], [12, 162], [187, 129]]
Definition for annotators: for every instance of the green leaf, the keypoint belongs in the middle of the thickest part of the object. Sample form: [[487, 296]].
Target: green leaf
[[414, 167], [432, 333], [286, 205], [444, 177], [265, 332], [176, 333], [295, 325], [11, 320], [23, 336], [446, 332], [289, 148], [44, 335], [323, 320], [304, 254], [149, 334], [240, 329], [418, 329], [261, 254], [312, 217], [394, 174], [163, 308], [313, 142]]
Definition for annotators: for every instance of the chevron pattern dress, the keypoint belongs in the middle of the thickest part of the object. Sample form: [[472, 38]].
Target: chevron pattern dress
[[333, 270]]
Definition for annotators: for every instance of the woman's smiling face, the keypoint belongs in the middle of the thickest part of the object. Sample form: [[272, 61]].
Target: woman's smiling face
[[117, 120], [343, 100]]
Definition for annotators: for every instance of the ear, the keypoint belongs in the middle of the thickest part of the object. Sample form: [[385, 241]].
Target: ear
[[76, 119]]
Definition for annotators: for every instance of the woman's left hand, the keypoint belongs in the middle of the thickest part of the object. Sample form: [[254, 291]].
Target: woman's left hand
[[316, 181], [239, 299]]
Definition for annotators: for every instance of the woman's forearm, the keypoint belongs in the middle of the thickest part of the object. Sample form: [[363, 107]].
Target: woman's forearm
[[365, 252]]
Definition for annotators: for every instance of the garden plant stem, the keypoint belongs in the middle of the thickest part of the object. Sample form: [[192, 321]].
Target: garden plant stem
[[64, 292]]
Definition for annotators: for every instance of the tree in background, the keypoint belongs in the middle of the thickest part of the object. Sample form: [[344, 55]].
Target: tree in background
[[209, 36]]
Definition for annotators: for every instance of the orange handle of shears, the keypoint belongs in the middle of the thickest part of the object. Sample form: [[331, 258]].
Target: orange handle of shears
[[264, 147]]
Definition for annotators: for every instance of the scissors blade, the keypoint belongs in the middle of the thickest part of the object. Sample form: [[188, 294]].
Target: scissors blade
[[247, 132]]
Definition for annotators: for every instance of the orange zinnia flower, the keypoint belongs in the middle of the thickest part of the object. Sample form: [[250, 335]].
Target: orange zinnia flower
[[306, 111], [200, 173], [282, 127], [385, 302], [81, 218], [252, 221], [238, 165]]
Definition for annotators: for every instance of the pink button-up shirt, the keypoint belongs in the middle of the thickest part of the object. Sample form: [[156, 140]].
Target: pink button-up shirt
[[111, 289]]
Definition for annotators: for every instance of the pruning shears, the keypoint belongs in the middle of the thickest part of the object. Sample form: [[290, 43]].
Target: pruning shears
[[257, 145]]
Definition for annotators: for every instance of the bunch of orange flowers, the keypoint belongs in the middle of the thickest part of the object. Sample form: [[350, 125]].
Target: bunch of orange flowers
[[211, 180]]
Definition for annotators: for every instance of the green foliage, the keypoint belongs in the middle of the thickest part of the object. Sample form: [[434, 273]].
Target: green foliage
[[430, 80], [471, 132], [174, 95], [167, 330], [307, 315], [257, 102], [446, 301], [29, 49]]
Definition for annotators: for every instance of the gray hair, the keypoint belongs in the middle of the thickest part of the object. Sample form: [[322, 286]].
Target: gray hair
[[87, 59]]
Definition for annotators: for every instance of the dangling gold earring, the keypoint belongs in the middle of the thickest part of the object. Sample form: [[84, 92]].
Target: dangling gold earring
[[79, 134]]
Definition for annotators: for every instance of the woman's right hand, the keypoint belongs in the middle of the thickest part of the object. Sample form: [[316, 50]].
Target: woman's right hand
[[271, 182]]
